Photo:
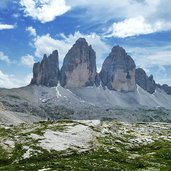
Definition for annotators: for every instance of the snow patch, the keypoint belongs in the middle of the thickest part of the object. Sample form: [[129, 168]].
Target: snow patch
[[58, 95]]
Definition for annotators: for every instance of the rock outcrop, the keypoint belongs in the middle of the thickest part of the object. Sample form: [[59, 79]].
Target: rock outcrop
[[46, 73], [118, 71], [79, 70], [79, 66], [166, 88], [145, 82]]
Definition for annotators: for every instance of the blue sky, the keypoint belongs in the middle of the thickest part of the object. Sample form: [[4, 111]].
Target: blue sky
[[31, 28]]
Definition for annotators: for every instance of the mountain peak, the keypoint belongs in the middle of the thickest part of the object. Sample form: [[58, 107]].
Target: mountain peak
[[79, 70], [145, 82], [81, 40], [118, 71], [118, 48], [47, 73], [79, 67]]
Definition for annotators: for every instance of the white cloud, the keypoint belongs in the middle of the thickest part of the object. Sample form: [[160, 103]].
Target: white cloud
[[44, 10], [45, 44], [4, 58], [154, 15], [148, 57], [136, 26], [154, 60], [10, 81], [108, 10], [6, 26], [27, 79], [27, 60], [32, 31]]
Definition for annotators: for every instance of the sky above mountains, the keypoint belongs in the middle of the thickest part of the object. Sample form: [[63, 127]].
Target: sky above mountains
[[31, 28]]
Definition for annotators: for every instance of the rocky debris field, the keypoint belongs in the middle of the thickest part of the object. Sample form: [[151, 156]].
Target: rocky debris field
[[85, 145]]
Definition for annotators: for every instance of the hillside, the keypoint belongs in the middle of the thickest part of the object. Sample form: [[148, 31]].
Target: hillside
[[34, 103], [85, 145]]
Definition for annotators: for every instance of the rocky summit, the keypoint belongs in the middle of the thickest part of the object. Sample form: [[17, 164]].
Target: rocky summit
[[166, 88], [79, 67], [118, 71], [145, 82], [148, 83], [47, 72], [79, 70]]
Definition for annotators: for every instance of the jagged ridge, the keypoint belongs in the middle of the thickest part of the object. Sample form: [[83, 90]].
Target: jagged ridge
[[79, 70]]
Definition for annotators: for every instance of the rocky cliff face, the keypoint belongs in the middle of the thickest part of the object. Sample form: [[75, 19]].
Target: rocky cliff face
[[79, 66], [118, 71], [79, 70], [165, 87], [46, 73], [147, 83]]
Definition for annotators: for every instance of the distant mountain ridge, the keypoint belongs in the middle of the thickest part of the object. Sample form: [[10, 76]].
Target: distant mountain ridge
[[79, 69]]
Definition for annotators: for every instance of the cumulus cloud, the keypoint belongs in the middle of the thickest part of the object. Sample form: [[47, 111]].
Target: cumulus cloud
[[4, 58], [44, 10], [32, 31], [45, 44], [153, 16], [114, 9], [27, 79], [154, 60], [136, 26], [148, 57], [27, 60], [6, 26], [129, 17], [10, 81]]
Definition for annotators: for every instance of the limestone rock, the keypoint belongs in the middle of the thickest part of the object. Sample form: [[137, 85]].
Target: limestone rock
[[118, 71], [145, 82], [79, 66], [166, 88], [46, 73]]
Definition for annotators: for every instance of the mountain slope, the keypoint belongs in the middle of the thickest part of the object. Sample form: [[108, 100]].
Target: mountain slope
[[34, 103]]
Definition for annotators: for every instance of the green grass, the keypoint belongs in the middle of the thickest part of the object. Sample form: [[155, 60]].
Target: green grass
[[111, 152]]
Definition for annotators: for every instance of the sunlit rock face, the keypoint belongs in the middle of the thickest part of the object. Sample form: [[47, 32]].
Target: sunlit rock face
[[118, 71], [79, 66], [46, 73], [145, 82]]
